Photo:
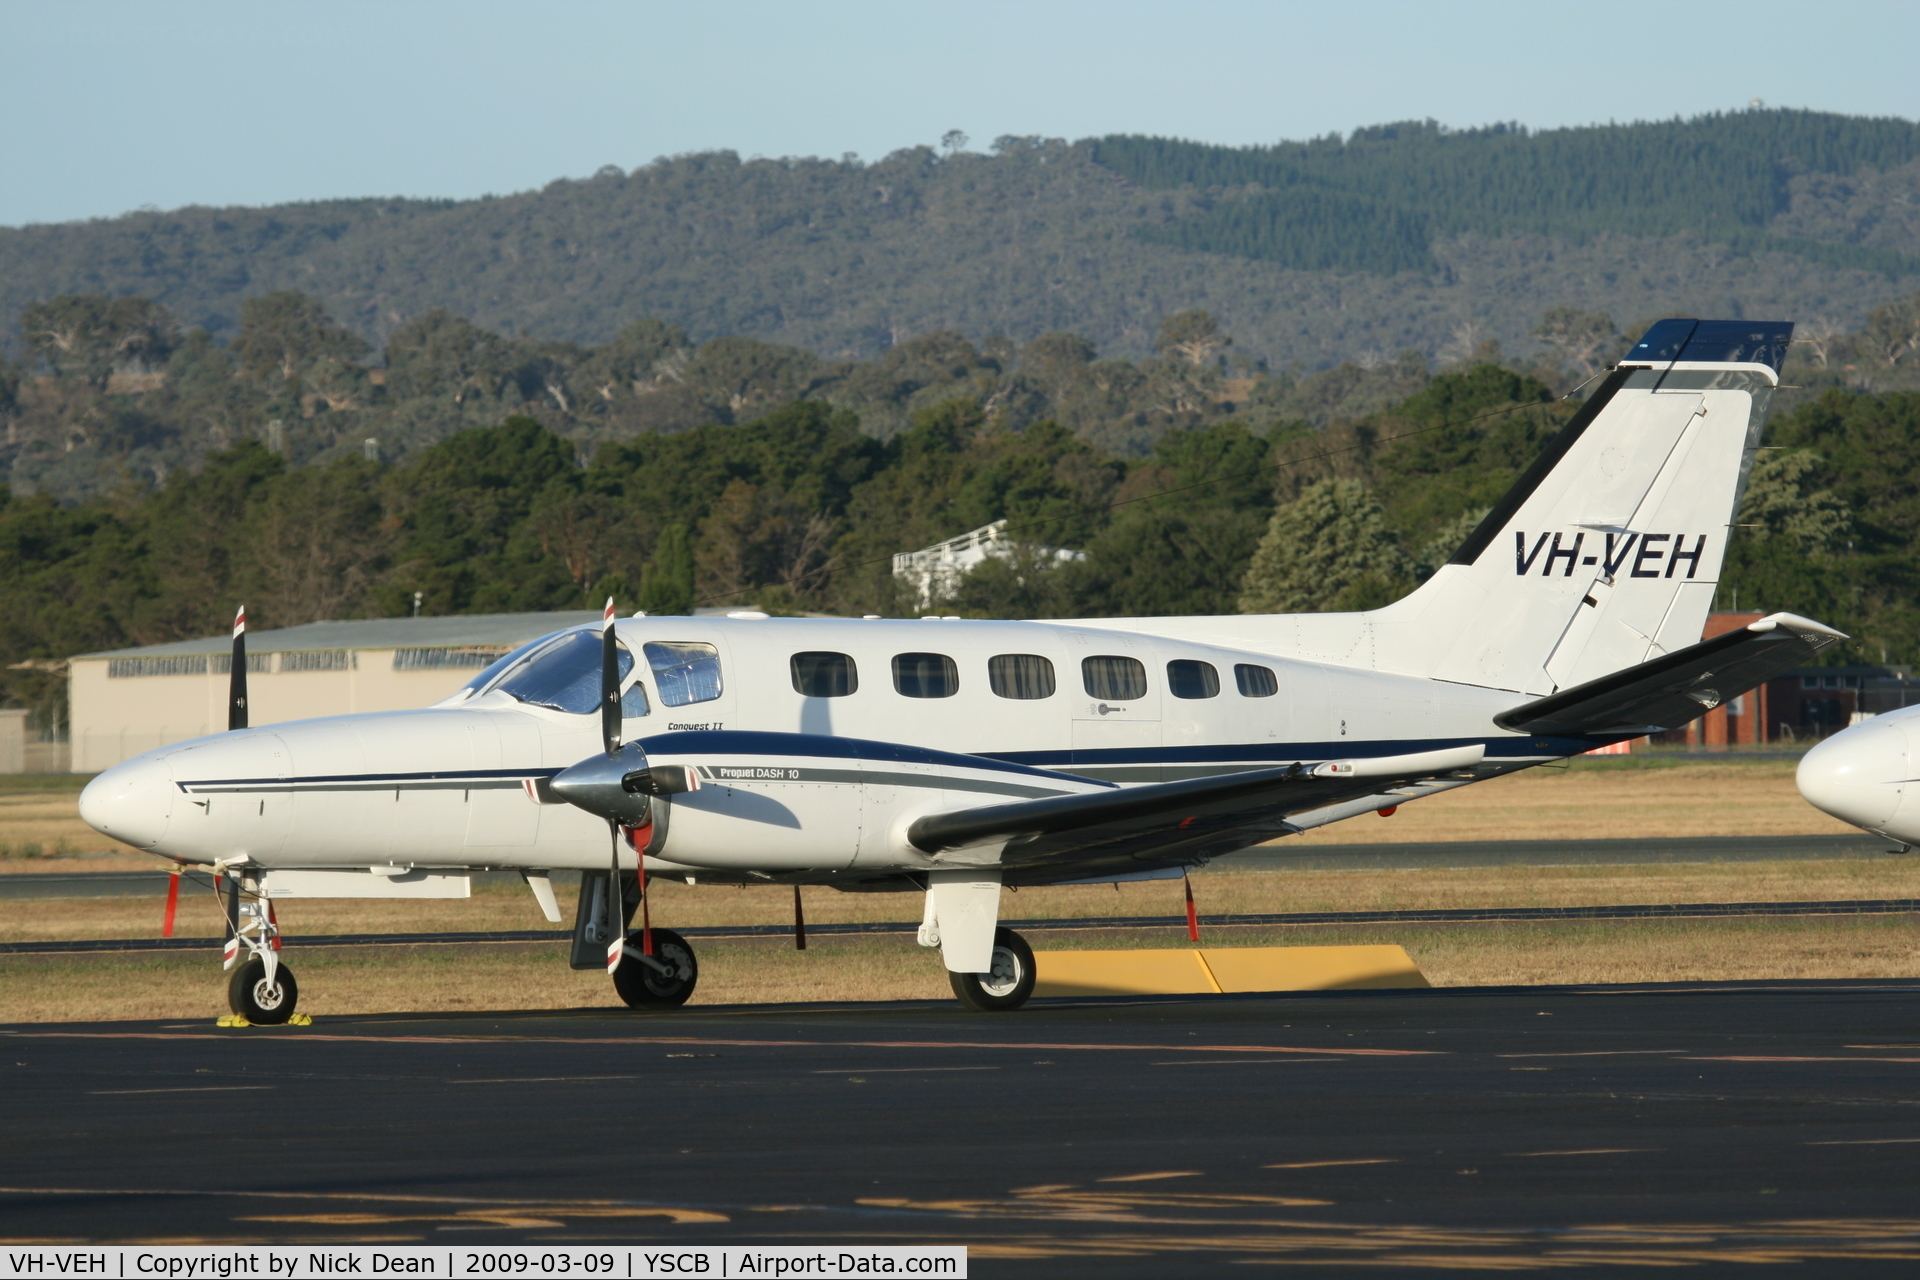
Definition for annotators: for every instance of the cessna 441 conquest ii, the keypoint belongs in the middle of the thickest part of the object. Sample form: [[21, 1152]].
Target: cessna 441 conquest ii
[[950, 758]]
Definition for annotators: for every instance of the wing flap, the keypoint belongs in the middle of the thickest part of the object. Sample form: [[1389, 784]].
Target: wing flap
[[1677, 687], [1255, 794]]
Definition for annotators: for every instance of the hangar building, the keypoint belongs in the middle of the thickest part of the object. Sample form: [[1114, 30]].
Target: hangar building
[[126, 701]]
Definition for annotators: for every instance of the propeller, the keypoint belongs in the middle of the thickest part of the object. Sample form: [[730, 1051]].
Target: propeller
[[610, 735], [617, 785]]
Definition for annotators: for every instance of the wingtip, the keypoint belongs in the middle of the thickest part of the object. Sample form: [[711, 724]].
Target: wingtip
[[1804, 627]]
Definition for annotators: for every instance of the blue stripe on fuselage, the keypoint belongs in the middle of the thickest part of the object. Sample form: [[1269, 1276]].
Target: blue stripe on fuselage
[[728, 742], [747, 742]]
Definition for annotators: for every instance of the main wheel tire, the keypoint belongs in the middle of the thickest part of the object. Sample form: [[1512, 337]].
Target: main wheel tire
[[1008, 985], [249, 995], [644, 987]]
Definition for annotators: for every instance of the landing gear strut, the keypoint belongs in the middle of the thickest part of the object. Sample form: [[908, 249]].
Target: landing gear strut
[[1006, 986]]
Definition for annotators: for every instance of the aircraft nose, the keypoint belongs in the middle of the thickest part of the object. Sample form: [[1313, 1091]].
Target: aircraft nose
[[1855, 775], [131, 802]]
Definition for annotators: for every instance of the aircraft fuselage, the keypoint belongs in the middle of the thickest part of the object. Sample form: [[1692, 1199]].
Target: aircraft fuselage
[[1038, 709]]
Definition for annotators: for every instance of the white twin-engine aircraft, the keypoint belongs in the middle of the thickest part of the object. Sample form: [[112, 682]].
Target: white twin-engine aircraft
[[949, 758]]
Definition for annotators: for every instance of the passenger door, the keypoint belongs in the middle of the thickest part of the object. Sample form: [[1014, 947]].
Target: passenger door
[[1116, 709]]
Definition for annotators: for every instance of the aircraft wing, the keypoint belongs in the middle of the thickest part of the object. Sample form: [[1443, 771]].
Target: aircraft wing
[[1174, 822], [1673, 689]]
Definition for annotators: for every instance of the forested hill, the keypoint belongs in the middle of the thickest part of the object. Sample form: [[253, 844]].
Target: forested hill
[[1396, 237]]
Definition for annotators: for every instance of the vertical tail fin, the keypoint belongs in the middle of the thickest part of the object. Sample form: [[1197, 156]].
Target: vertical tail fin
[[1607, 551]]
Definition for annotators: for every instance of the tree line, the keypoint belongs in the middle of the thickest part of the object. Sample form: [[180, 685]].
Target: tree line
[[1376, 200], [1312, 253], [1341, 490]]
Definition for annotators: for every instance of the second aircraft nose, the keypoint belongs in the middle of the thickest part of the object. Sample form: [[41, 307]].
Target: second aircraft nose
[[1856, 775], [131, 802]]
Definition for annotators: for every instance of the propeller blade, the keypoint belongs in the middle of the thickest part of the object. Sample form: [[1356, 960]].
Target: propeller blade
[[609, 682], [237, 679], [616, 909]]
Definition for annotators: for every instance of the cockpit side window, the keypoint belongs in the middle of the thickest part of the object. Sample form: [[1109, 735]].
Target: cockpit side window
[[684, 672], [565, 675], [633, 703]]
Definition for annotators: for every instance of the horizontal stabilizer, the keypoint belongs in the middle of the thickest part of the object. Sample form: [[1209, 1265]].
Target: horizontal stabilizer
[[1267, 792], [1678, 687]]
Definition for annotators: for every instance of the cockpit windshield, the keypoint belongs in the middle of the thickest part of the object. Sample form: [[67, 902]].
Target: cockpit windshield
[[565, 675], [504, 661]]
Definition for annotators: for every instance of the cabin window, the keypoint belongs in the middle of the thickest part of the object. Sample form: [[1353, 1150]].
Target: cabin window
[[564, 675], [1020, 675], [684, 671], [1114, 678], [824, 675], [925, 675], [1255, 682], [1189, 679]]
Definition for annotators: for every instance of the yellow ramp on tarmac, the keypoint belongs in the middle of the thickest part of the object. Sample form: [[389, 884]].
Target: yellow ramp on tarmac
[[1222, 969]]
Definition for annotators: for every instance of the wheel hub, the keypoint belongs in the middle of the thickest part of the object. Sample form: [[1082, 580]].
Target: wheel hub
[[1005, 974]]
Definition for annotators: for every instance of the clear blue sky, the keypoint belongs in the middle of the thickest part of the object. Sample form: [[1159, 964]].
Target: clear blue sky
[[112, 105]]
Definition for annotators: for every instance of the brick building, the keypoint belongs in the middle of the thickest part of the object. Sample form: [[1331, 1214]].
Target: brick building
[[1803, 705]]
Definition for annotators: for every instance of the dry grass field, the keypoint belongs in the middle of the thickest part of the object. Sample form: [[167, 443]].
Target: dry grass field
[[1216, 892], [745, 971], [1604, 798]]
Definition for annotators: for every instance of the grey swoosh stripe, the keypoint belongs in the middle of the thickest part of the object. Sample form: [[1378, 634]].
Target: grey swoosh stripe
[[294, 784]]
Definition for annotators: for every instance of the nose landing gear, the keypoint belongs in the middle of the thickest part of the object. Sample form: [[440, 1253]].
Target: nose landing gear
[[261, 990]]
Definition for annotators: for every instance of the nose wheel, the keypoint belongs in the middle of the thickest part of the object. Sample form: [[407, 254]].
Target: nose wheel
[[262, 998], [1007, 985]]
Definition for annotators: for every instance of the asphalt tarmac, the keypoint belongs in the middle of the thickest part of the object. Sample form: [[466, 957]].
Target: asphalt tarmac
[[1703, 1126]]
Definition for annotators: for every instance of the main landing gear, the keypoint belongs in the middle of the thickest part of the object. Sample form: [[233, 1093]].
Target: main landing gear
[[990, 968], [1010, 982], [663, 980]]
